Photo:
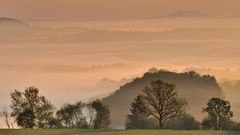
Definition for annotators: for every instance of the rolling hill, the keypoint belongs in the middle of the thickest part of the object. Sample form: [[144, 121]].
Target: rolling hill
[[6, 21]]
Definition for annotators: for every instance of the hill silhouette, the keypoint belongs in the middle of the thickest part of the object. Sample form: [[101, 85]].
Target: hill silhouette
[[195, 88], [108, 83], [6, 21]]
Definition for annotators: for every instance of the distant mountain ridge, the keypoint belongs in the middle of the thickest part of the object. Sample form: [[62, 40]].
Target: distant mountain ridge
[[106, 82], [7, 21], [14, 30], [196, 89]]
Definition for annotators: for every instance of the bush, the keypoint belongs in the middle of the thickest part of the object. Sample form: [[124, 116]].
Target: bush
[[227, 124], [140, 121], [185, 122]]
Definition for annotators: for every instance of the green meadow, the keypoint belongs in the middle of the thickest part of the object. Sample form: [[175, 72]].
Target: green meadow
[[111, 132]]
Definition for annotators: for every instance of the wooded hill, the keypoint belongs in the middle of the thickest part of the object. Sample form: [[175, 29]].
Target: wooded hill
[[195, 88]]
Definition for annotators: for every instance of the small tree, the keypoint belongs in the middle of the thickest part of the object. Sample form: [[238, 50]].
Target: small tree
[[72, 116], [29, 109], [218, 111], [207, 124], [102, 118], [55, 123], [138, 119], [161, 102], [81, 115], [185, 122]]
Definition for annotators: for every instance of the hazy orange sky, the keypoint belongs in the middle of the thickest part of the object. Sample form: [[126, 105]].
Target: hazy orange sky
[[111, 9], [66, 57]]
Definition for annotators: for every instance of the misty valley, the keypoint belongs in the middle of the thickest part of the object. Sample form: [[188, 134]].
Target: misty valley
[[112, 71]]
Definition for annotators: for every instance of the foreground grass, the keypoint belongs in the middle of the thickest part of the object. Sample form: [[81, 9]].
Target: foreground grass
[[112, 132]]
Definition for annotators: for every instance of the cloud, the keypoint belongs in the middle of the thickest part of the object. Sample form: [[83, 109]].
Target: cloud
[[75, 68], [109, 9], [37, 34], [219, 73]]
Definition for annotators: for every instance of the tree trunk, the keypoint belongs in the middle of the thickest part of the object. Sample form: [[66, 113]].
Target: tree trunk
[[220, 123], [160, 124]]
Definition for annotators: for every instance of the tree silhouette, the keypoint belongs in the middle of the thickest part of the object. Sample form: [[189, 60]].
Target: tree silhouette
[[161, 102], [30, 109], [219, 111], [102, 118], [71, 115], [7, 117], [138, 119]]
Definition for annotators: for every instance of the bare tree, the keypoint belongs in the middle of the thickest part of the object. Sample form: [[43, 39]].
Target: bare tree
[[91, 113], [7, 117], [12, 124], [162, 103]]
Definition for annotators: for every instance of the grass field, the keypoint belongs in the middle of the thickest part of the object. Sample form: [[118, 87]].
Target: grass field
[[113, 132]]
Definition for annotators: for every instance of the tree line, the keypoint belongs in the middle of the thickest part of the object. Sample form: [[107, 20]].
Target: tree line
[[31, 110], [156, 107]]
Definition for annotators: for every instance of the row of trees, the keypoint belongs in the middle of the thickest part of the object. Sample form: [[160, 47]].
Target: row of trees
[[81, 115], [31, 110], [158, 106]]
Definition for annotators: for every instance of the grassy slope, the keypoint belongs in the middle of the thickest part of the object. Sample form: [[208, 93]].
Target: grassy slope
[[111, 132]]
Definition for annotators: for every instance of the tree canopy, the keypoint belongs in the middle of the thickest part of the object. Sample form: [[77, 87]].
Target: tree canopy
[[71, 115], [160, 101], [102, 118], [82, 115], [219, 111], [31, 110]]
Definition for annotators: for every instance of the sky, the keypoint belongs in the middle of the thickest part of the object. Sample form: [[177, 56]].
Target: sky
[[70, 46], [110, 9]]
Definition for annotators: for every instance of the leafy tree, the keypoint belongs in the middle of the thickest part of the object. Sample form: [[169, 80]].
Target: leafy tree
[[219, 111], [162, 103], [55, 123], [140, 121], [29, 109], [207, 124], [64, 115], [44, 113], [226, 124], [81, 115], [27, 118], [72, 116], [138, 118], [102, 118]]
